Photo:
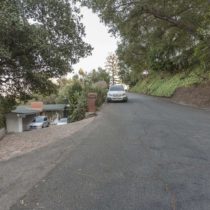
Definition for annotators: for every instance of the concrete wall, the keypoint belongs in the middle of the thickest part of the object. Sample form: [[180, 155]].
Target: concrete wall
[[26, 121], [2, 133], [13, 123]]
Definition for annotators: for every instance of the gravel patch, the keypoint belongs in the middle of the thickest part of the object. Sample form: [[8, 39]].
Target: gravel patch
[[13, 145]]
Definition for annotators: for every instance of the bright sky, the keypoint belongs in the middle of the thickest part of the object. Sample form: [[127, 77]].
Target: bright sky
[[97, 35]]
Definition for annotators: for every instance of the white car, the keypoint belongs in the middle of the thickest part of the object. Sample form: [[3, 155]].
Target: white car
[[117, 93], [39, 122]]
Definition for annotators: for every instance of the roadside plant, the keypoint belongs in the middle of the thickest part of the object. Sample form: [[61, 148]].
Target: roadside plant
[[6, 104], [80, 108]]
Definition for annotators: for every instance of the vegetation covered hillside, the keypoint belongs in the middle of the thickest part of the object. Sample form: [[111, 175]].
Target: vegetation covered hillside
[[170, 39], [166, 84]]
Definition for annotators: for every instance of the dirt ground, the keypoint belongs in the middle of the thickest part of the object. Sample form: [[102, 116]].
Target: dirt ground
[[16, 144], [198, 95]]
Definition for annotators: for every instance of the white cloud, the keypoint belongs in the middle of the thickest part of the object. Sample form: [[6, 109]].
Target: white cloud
[[97, 35]]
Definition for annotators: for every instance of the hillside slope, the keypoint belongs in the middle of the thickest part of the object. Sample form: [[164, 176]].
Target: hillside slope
[[187, 88]]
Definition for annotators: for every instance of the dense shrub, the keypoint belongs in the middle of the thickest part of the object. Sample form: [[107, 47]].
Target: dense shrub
[[74, 93], [101, 94], [80, 108]]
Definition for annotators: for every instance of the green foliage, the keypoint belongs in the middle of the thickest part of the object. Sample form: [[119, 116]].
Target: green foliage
[[76, 87], [202, 50], [39, 40], [99, 75], [125, 74], [78, 99], [80, 108], [101, 94], [6, 104], [168, 58], [158, 85], [164, 36], [74, 92]]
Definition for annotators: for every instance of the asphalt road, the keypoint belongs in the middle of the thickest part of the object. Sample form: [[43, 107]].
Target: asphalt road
[[147, 154]]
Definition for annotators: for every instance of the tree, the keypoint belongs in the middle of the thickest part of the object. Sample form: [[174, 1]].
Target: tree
[[112, 66], [125, 74], [6, 104], [99, 75], [171, 33], [82, 73], [202, 50], [39, 40]]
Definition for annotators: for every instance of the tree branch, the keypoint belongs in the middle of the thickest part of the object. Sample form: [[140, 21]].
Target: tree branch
[[178, 23]]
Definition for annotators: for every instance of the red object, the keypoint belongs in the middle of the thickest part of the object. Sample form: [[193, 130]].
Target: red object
[[92, 102], [37, 105]]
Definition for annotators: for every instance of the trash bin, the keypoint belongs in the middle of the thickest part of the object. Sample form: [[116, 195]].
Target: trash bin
[[92, 102]]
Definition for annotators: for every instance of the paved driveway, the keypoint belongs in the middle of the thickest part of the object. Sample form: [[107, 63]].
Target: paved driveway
[[146, 154], [17, 144]]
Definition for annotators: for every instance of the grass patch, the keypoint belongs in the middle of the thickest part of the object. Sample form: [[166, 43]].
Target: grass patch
[[166, 85]]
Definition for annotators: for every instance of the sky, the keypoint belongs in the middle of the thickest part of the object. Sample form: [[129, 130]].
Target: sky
[[98, 37]]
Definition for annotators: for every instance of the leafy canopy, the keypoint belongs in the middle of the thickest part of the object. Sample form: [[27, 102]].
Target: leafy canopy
[[158, 35], [39, 40]]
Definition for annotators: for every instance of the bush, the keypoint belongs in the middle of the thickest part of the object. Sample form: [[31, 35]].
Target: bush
[[100, 91], [6, 105], [101, 84], [101, 94], [79, 110]]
